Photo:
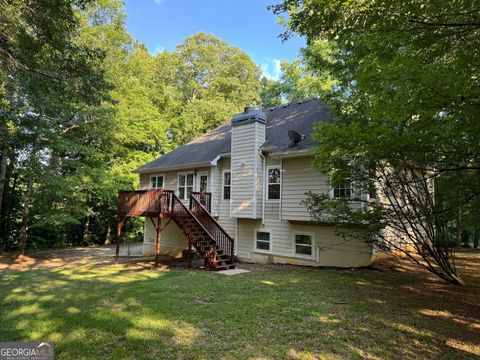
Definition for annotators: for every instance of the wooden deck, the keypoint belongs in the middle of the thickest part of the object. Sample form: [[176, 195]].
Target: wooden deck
[[146, 203], [154, 203], [201, 229]]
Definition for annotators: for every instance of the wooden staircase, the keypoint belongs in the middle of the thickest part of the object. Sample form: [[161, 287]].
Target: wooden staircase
[[203, 233]]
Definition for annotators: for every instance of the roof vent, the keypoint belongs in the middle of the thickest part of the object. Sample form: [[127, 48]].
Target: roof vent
[[295, 137]]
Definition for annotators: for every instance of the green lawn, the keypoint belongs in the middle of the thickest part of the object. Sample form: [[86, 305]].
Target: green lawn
[[285, 312]]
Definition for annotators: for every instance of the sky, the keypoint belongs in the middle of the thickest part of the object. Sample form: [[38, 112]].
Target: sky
[[247, 24]]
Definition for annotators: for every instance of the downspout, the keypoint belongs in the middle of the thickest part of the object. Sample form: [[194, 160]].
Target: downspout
[[263, 185], [280, 206]]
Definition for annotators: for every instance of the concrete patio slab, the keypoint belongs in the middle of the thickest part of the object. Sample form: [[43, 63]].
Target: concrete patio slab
[[230, 272]]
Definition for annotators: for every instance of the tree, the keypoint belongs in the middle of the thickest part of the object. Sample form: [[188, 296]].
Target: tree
[[82, 105], [214, 80], [302, 78], [47, 76], [406, 99]]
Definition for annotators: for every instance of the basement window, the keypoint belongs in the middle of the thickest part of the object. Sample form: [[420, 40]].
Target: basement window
[[274, 183], [263, 240], [227, 185], [303, 244]]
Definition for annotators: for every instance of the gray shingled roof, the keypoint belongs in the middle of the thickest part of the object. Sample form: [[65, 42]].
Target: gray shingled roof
[[299, 116]]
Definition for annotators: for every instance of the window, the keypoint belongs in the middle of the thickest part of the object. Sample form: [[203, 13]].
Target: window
[[303, 244], [227, 184], [203, 183], [156, 181], [262, 240], [274, 183], [342, 189], [185, 185]]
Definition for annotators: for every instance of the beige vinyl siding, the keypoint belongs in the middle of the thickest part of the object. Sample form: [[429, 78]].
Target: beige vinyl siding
[[221, 208], [259, 170], [169, 180], [298, 177], [329, 249], [245, 165], [172, 241]]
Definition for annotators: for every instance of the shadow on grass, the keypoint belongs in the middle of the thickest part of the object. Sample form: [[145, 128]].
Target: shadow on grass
[[125, 312]]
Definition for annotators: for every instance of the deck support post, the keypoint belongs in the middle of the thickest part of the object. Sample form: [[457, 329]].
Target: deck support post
[[157, 241], [119, 233]]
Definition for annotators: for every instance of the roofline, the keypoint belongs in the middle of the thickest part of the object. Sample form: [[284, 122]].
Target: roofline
[[183, 166], [278, 154], [169, 168], [292, 153]]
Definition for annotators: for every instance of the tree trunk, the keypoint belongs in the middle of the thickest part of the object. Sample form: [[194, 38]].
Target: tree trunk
[[5, 209], [86, 231], [476, 238], [22, 241], [108, 236], [3, 177], [459, 228], [8, 210]]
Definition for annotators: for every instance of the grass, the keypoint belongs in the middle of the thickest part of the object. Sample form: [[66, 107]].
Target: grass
[[103, 311]]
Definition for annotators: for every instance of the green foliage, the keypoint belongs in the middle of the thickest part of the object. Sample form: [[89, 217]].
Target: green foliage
[[213, 80], [82, 105], [406, 98], [302, 78]]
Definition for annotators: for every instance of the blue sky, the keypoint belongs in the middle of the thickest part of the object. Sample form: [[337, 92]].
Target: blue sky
[[247, 24]]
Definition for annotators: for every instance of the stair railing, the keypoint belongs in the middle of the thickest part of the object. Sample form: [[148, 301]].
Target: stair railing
[[223, 240], [204, 198], [178, 210]]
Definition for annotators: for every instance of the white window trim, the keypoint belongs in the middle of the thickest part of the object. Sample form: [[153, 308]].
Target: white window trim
[[332, 192], [294, 253], [223, 184], [178, 183], [267, 177], [156, 175], [255, 241]]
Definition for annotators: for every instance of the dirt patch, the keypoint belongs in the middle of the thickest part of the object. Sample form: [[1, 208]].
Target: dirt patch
[[92, 256], [56, 258]]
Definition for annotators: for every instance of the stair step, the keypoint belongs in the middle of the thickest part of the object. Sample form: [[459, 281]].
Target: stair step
[[202, 242]]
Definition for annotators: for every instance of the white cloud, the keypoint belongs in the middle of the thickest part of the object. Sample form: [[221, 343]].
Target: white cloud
[[158, 2], [158, 50], [271, 68]]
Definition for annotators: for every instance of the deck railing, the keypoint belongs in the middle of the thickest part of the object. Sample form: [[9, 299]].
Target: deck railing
[[148, 203], [221, 237]]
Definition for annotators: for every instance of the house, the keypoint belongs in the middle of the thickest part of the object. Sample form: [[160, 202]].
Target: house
[[255, 178]]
